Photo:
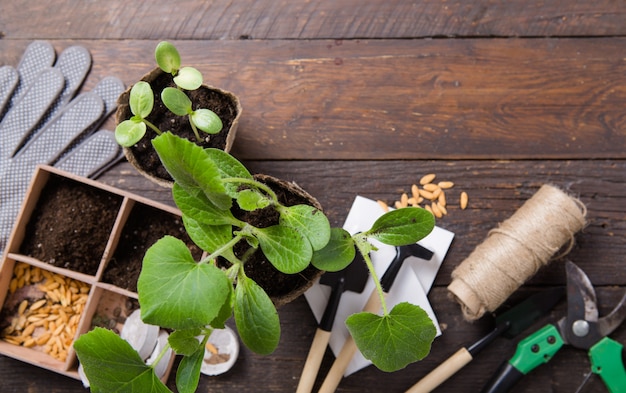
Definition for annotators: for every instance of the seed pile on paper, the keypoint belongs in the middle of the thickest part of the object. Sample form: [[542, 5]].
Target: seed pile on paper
[[49, 310], [428, 195]]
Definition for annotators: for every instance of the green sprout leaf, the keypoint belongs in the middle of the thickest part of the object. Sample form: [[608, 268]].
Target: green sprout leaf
[[309, 221], [286, 249], [188, 78], [188, 373], [402, 226], [112, 365], [191, 167], [393, 341], [129, 132], [250, 200], [338, 252], [176, 292], [256, 317], [141, 100], [167, 57], [185, 342], [229, 167], [207, 121], [176, 101]]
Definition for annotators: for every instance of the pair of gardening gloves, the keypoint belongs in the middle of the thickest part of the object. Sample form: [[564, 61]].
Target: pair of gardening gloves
[[43, 121]]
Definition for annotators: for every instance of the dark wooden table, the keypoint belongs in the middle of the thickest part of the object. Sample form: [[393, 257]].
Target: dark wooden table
[[365, 97]]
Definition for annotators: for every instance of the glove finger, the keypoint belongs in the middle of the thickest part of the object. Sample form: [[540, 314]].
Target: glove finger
[[38, 56], [8, 82], [93, 156], [29, 110], [74, 64]]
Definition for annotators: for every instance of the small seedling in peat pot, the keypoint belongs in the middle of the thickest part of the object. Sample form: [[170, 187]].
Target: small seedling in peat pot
[[141, 100], [192, 298]]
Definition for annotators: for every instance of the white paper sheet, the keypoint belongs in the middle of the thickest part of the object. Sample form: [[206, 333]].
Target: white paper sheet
[[412, 284]]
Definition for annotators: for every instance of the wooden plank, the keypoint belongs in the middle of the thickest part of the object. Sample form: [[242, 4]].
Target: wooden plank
[[282, 19], [427, 99], [496, 190]]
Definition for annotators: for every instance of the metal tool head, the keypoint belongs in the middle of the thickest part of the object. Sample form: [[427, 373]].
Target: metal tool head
[[581, 327]]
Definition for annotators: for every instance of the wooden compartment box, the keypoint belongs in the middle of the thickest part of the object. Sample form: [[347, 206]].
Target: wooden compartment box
[[51, 293]]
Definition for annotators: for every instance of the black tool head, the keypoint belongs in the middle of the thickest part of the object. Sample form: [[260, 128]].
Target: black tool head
[[354, 276]]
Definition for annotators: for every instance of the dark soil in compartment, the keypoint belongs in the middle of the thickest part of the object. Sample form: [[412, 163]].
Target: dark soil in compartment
[[71, 225], [144, 227]]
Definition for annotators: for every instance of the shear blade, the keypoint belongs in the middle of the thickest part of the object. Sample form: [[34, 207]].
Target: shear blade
[[581, 297]]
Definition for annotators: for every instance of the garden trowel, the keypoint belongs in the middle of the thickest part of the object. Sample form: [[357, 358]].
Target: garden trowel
[[353, 278], [373, 305]]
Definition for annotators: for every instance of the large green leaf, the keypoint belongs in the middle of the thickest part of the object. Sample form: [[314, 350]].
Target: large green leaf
[[311, 222], [337, 254], [229, 167], [196, 205], [210, 237], [112, 365], [256, 317], [393, 341], [141, 99], [402, 226], [288, 250], [191, 167], [175, 291], [188, 373]]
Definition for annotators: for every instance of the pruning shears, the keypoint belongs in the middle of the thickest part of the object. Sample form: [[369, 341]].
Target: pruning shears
[[580, 328]]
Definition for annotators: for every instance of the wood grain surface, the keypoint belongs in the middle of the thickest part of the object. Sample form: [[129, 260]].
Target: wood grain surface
[[354, 98]]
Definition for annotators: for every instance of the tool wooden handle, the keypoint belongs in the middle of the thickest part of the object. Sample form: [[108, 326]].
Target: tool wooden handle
[[444, 371], [313, 361], [348, 350]]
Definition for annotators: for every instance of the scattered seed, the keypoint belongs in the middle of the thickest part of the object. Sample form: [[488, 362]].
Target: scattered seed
[[436, 210], [426, 194], [445, 184], [463, 200], [427, 178], [442, 209], [430, 187]]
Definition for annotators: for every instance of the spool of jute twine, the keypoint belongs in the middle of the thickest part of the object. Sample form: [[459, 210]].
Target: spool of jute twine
[[515, 250]]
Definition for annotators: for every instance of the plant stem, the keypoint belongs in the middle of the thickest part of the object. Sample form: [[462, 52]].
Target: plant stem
[[161, 354], [253, 183], [152, 126], [195, 130], [231, 243], [364, 248]]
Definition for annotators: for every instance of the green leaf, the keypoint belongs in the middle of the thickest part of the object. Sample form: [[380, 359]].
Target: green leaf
[[188, 373], [112, 365], [250, 200], [338, 253], [285, 248], [176, 292], [402, 226], [188, 78], [229, 167], [129, 132], [191, 167], [210, 237], [207, 121], [176, 101], [185, 342], [311, 222], [393, 341], [197, 206], [141, 99], [167, 57], [256, 317]]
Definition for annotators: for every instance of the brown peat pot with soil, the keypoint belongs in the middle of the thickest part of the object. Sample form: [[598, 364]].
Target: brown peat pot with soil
[[143, 156]]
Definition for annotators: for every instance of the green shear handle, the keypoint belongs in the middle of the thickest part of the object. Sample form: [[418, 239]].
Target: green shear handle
[[606, 361]]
